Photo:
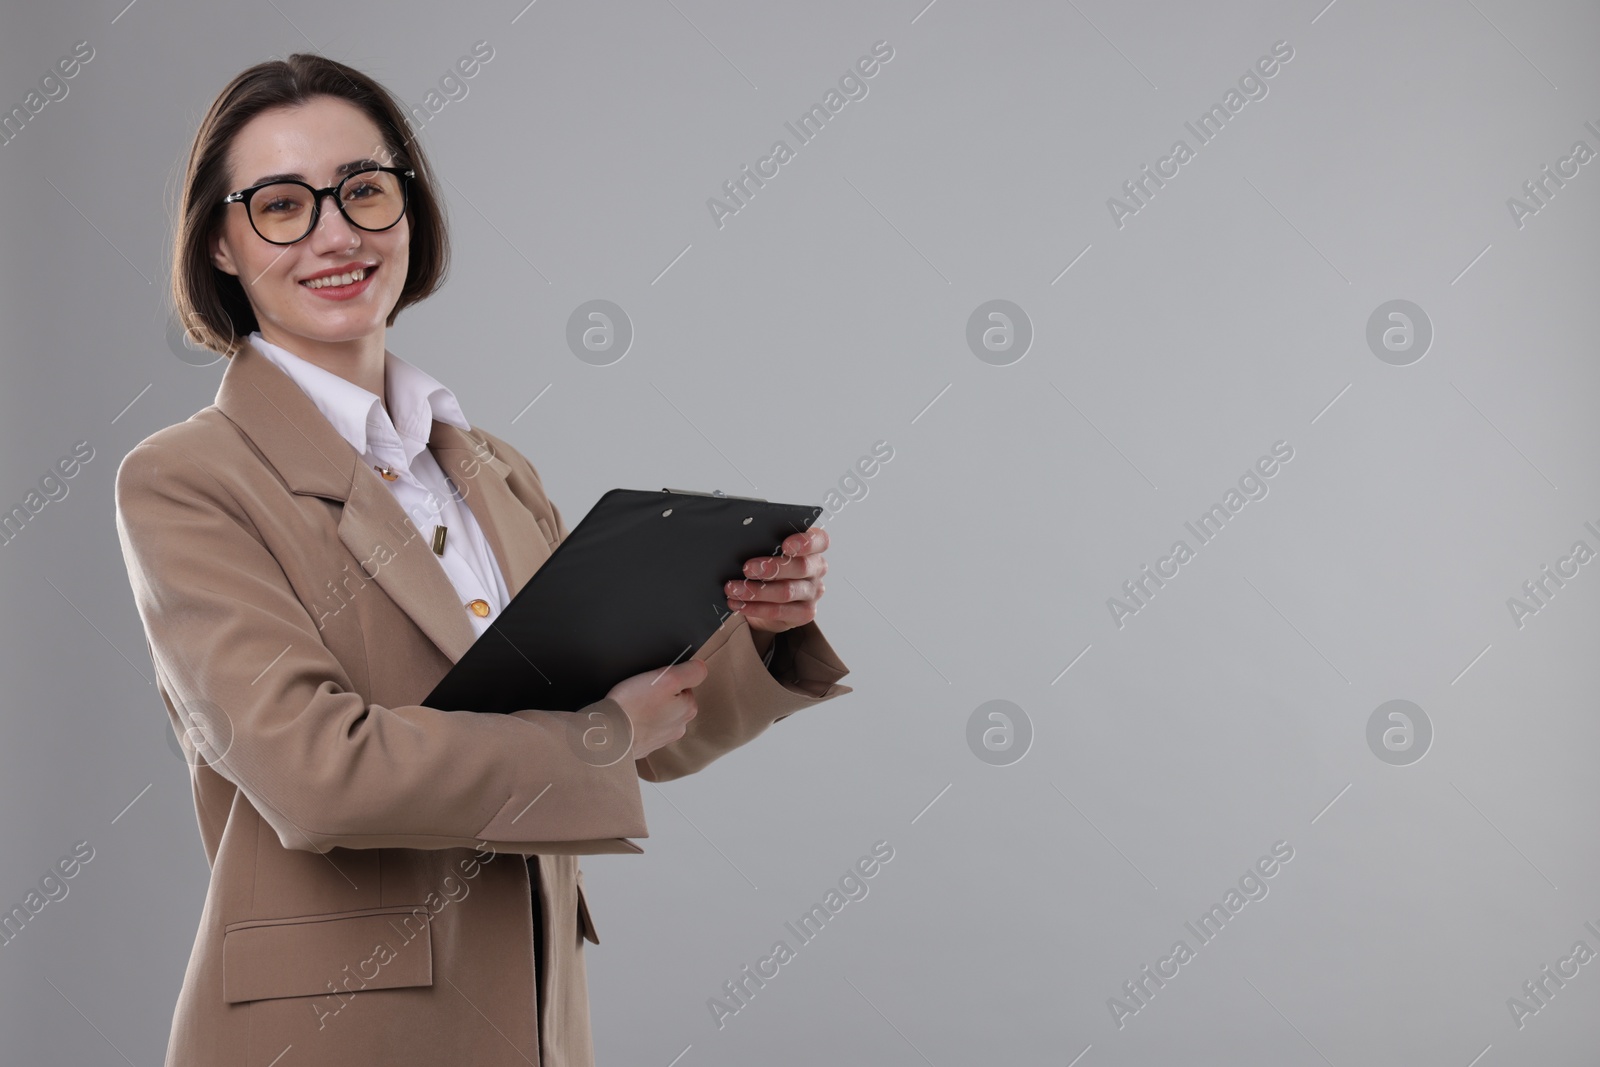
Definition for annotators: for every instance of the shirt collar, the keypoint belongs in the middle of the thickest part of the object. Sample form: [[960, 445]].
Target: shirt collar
[[415, 399]]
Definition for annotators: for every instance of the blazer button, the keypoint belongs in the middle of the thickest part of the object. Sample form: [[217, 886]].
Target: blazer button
[[388, 475], [480, 608]]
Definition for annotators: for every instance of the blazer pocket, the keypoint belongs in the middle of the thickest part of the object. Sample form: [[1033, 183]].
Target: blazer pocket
[[317, 955], [585, 923], [546, 529]]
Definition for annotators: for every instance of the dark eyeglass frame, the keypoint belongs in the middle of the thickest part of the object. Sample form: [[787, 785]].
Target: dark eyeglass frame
[[243, 196]]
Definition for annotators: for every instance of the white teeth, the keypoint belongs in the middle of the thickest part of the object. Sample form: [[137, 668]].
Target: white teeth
[[336, 279]]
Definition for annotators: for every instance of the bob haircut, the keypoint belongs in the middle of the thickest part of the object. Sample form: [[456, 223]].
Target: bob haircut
[[211, 304]]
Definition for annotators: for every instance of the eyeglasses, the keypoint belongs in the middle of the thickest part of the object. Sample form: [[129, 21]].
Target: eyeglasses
[[286, 211]]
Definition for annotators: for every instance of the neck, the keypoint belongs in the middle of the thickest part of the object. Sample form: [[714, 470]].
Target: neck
[[359, 360]]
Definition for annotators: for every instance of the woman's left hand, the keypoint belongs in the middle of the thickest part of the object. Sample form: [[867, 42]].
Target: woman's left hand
[[780, 593]]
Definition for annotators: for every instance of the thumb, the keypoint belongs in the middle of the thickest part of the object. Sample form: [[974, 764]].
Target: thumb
[[692, 672]]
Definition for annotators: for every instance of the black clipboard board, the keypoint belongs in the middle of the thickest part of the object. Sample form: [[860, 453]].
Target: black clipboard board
[[636, 586]]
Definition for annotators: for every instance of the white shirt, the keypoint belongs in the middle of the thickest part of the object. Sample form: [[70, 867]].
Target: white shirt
[[397, 438]]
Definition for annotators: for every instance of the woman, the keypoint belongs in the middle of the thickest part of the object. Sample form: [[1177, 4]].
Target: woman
[[390, 883]]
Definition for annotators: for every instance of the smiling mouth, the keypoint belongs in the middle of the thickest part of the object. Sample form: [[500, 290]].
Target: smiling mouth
[[339, 281]]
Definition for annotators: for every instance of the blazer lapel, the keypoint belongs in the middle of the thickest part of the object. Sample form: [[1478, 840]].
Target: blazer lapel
[[480, 479], [311, 457]]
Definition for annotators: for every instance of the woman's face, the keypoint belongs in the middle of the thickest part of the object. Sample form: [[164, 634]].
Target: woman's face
[[310, 142]]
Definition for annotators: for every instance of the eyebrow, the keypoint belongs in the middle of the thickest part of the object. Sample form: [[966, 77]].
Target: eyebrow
[[341, 170]]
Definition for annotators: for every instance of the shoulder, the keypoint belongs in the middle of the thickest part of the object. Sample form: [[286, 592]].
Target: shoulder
[[183, 458]]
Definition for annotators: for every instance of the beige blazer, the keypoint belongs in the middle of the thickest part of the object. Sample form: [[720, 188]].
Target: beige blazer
[[373, 861]]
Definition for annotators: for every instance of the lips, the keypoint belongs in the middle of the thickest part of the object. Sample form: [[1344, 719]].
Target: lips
[[342, 292]]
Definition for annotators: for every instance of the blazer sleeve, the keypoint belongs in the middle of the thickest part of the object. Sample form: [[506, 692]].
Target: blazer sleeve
[[740, 697], [243, 666]]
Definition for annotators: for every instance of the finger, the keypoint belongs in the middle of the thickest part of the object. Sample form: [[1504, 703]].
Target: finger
[[780, 591], [814, 539], [794, 613], [690, 673], [764, 567], [768, 568]]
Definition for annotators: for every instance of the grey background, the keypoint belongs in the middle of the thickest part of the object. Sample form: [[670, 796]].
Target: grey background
[[830, 313]]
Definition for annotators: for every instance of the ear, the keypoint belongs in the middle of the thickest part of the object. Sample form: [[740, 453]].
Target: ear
[[221, 258]]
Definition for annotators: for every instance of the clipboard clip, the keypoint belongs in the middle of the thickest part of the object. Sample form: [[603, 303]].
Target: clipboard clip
[[718, 493]]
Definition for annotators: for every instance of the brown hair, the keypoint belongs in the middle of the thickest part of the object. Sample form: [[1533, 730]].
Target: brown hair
[[211, 304]]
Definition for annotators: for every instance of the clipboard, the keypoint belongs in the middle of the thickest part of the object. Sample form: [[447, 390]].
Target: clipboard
[[636, 586]]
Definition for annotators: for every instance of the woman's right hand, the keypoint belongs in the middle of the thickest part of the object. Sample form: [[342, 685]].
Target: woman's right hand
[[659, 704]]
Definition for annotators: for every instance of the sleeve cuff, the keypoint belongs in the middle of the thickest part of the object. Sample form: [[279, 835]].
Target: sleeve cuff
[[741, 696]]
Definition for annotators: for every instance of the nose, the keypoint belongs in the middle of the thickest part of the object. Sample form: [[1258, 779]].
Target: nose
[[333, 232]]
